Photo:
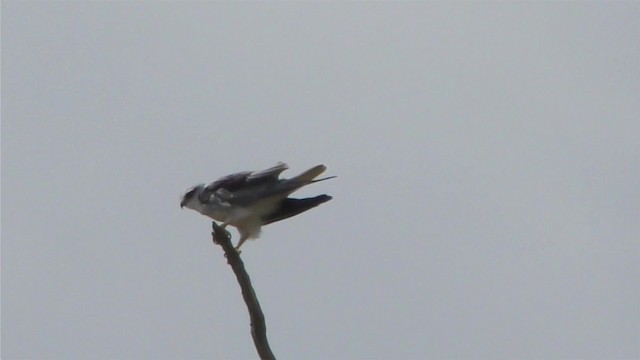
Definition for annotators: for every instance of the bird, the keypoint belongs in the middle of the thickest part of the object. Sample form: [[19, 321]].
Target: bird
[[249, 200]]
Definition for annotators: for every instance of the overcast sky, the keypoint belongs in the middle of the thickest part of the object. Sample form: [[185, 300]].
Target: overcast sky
[[487, 204]]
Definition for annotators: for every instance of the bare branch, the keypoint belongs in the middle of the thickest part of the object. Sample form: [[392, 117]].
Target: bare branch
[[258, 327]]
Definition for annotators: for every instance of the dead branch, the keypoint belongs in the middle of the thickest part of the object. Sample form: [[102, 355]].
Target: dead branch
[[258, 326]]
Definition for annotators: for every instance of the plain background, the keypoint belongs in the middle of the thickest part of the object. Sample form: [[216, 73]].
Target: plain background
[[486, 205]]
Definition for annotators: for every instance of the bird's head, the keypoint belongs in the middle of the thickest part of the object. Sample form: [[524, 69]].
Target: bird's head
[[190, 197]]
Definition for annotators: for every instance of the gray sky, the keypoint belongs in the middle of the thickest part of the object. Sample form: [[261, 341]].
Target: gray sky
[[486, 205]]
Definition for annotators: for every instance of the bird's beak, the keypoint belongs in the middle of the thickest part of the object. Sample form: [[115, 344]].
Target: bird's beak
[[182, 204]]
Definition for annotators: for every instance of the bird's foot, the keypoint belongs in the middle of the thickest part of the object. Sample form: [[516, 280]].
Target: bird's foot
[[217, 229]]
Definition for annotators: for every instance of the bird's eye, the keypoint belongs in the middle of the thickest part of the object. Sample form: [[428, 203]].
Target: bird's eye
[[189, 194]]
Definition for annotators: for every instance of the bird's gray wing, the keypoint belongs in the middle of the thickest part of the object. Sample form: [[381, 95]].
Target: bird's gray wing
[[269, 175], [230, 182], [245, 184], [278, 190], [274, 188], [250, 194]]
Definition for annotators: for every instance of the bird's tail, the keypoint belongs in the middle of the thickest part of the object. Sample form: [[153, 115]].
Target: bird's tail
[[309, 175]]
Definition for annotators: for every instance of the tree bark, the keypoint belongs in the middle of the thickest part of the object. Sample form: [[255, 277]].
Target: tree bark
[[258, 327]]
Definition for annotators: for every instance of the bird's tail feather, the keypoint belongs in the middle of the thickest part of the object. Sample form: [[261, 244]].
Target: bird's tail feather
[[323, 179], [310, 174]]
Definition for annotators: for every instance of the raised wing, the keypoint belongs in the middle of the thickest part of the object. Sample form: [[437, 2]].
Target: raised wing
[[269, 175], [243, 183]]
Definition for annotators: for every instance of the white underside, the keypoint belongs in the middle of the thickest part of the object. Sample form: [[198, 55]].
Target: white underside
[[248, 220]]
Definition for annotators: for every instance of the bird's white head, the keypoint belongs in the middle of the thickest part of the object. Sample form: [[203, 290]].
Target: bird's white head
[[190, 198]]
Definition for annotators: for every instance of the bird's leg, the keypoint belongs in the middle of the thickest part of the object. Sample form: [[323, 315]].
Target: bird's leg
[[243, 238], [223, 226]]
